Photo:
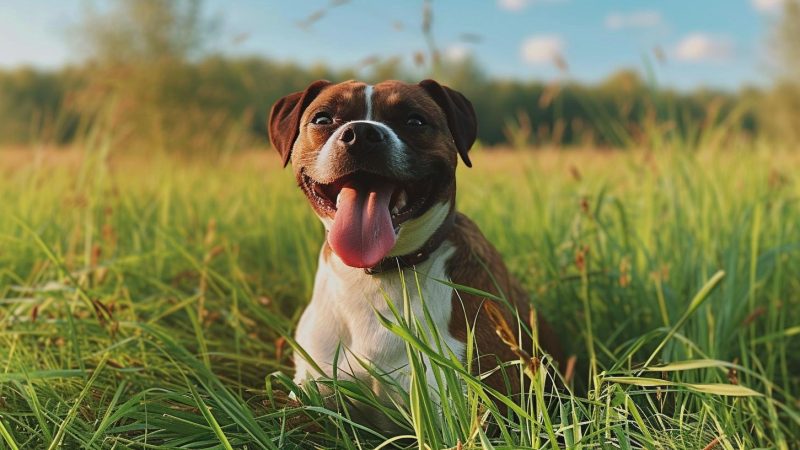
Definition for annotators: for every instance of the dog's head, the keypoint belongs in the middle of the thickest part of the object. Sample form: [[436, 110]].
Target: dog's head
[[377, 163]]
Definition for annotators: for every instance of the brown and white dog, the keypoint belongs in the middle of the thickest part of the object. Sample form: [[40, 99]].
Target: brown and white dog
[[377, 164]]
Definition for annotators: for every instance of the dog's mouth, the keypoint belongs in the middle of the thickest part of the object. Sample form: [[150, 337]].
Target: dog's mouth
[[367, 211], [406, 201]]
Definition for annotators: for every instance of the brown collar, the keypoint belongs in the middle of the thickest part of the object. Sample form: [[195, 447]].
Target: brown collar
[[422, 254]]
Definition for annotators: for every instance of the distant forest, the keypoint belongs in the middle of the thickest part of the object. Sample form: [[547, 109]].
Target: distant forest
[[219, 94]]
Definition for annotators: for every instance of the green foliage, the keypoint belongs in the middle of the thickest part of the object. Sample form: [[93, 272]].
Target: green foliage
[[145, 32], [150, 302], [218, 104], [38, 105], [787, 41], [781, 108]]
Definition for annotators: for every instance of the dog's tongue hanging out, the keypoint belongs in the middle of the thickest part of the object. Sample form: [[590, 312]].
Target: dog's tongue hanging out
[[362, 233]]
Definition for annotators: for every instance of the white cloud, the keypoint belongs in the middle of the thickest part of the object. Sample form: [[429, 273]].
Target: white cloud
[[699, 47], [767, 6], [512, 5], [519, 5], [457, 53], [541, 49], [635, 19]]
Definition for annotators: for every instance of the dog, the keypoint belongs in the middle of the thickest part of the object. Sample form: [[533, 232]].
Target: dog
[[377, 164]]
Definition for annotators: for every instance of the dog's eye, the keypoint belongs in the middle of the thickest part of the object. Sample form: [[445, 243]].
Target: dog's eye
[[415, 120], [322, 118]]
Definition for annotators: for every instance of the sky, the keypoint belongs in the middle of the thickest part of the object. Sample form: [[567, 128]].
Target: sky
[[684, 43]]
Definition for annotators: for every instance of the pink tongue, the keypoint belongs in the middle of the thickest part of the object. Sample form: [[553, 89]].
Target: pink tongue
[[362, 233]]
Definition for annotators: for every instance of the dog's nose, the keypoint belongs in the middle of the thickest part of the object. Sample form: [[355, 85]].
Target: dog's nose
[[361, 133]]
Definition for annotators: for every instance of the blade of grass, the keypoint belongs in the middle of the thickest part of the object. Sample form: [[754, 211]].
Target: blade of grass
[[62, 429], [698, 300], [209, 418], [7, 436]]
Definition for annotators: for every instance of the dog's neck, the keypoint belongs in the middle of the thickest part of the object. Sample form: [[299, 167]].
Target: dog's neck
[[417, 240], [421, 254]]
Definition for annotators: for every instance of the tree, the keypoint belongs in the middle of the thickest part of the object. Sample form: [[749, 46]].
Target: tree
[[787, 42], [781, 110], [136, 32], [143, 83]]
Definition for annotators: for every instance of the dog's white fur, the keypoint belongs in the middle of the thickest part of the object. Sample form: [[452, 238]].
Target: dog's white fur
[[399, 154], [414, 233], [343, 312], [368, 96]]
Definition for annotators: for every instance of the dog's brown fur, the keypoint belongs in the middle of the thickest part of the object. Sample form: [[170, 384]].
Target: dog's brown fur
[[478, 264]]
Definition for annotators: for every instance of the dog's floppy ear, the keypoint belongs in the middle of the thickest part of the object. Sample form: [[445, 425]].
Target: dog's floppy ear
[[284, 118], [460, 116]]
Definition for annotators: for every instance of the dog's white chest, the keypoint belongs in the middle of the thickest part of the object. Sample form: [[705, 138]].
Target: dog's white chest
[[343, 313]]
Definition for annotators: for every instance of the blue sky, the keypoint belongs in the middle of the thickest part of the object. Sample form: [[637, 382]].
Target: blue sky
[[716, 43]]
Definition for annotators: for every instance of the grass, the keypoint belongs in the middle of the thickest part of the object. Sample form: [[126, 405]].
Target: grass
[[149, 303]]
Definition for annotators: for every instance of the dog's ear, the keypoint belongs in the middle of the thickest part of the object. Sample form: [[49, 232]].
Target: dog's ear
[[460, 116], [284, 118]]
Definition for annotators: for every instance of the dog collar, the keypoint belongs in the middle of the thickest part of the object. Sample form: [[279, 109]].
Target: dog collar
[[422, 253]]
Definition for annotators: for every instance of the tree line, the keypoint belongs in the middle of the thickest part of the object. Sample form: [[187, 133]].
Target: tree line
[[206, 101]]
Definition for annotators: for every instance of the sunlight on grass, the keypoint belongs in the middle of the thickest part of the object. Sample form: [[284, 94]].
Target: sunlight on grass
[[151, 303]]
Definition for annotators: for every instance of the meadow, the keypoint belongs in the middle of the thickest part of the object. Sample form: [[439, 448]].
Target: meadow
[[149, 301]]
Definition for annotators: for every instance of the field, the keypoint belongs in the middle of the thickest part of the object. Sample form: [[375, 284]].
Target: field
[[149, 302]]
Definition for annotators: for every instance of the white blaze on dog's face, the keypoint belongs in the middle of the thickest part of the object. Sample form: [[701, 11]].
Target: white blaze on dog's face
[[377, 163]]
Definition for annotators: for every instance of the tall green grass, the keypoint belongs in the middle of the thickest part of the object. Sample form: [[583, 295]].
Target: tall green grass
[[150, 304]]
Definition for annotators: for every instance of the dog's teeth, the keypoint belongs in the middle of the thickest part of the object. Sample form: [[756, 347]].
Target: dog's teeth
[[395, 210], [338, 199], [402, 198]]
